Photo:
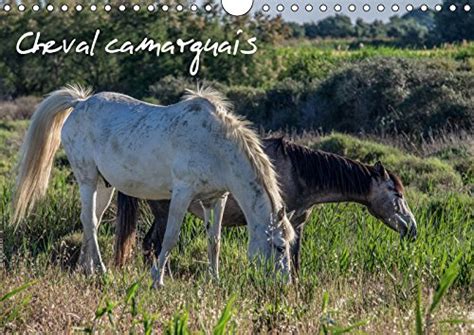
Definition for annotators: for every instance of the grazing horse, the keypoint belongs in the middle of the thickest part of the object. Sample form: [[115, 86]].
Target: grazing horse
[[307, 177], [195, 149]]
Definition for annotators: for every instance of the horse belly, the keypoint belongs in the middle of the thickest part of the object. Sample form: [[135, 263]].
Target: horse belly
[[144, 177], [233, 215]]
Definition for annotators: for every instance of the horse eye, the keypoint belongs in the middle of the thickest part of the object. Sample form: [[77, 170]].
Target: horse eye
[[396, 193], [279, 248]]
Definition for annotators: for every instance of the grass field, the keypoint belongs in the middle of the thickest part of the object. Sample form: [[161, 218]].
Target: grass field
[[357, 276]]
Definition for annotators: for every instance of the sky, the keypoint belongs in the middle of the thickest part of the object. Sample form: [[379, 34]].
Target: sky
[[316, 14], [303, 16]]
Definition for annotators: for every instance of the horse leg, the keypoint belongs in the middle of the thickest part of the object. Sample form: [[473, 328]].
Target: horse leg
[[297, 248], [298, 224], [90, 258], [95, 198], [154, 237], [103, 199], [213, 219], [180, 201], [104, 196]]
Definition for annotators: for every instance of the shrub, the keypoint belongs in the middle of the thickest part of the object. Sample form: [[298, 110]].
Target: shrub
[[6, 88], [309, 66], [248, 101], [461, 157], [169, 89], [418, 97], [282, 103], [454, 26], [287, 104], [394, 94], [19, 109]]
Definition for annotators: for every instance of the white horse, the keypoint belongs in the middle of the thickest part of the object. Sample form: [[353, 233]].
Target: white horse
[[196, 150]]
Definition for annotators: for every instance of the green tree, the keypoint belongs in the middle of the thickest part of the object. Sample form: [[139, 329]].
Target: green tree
[[361, 28], [407, 32], [455, 26], [338, 26]]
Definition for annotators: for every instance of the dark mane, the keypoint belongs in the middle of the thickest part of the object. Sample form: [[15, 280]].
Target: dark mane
[[328, 171]]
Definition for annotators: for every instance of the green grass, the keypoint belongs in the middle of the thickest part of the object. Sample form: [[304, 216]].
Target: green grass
[[316, 61], [356, 276], [448, 52]]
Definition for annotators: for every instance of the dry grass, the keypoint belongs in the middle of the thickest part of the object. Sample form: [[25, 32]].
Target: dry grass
[[63, 302]]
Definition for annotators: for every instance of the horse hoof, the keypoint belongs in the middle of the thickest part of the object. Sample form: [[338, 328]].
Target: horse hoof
[[157, 285], [155, 274], [214, 276], [101, 269], [87, 269], [90, 269]]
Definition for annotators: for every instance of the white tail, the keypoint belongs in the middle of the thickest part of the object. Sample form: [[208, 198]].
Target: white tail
[[41, 143]]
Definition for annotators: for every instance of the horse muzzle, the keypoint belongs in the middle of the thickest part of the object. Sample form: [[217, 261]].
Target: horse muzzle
[[409, 230]]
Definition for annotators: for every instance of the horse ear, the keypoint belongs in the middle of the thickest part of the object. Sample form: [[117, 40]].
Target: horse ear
[[380, 171]]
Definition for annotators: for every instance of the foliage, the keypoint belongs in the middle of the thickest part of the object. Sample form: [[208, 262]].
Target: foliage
[[333, 26], [398, 95], [20, 109], [132, 74], [371, 90], [424, 18], [36, 75], [455, 26], [408, 32], [358, 85]]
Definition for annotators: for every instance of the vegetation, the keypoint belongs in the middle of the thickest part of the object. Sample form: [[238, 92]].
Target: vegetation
[[377, 94], [413, 29], [319, 81], [356, 274], [400, 92]]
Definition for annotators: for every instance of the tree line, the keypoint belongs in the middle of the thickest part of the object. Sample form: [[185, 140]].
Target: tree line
[[415, 29], [22, 75]]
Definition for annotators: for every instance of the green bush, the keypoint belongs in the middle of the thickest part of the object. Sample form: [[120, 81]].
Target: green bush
[[309, 66], [248, 101], [283, 104], [287, 104], [398, 95], [169, 89], [460, 155], [454, 26]]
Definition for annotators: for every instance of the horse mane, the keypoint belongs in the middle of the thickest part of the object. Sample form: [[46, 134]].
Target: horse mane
[[329, 171], [397, 182], [238, 129]]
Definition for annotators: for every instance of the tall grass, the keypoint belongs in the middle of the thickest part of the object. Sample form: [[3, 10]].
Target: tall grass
[[356, 274]]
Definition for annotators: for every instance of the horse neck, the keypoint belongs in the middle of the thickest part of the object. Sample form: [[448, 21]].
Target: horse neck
[[253, 199], [351, 183], [335, 196]]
